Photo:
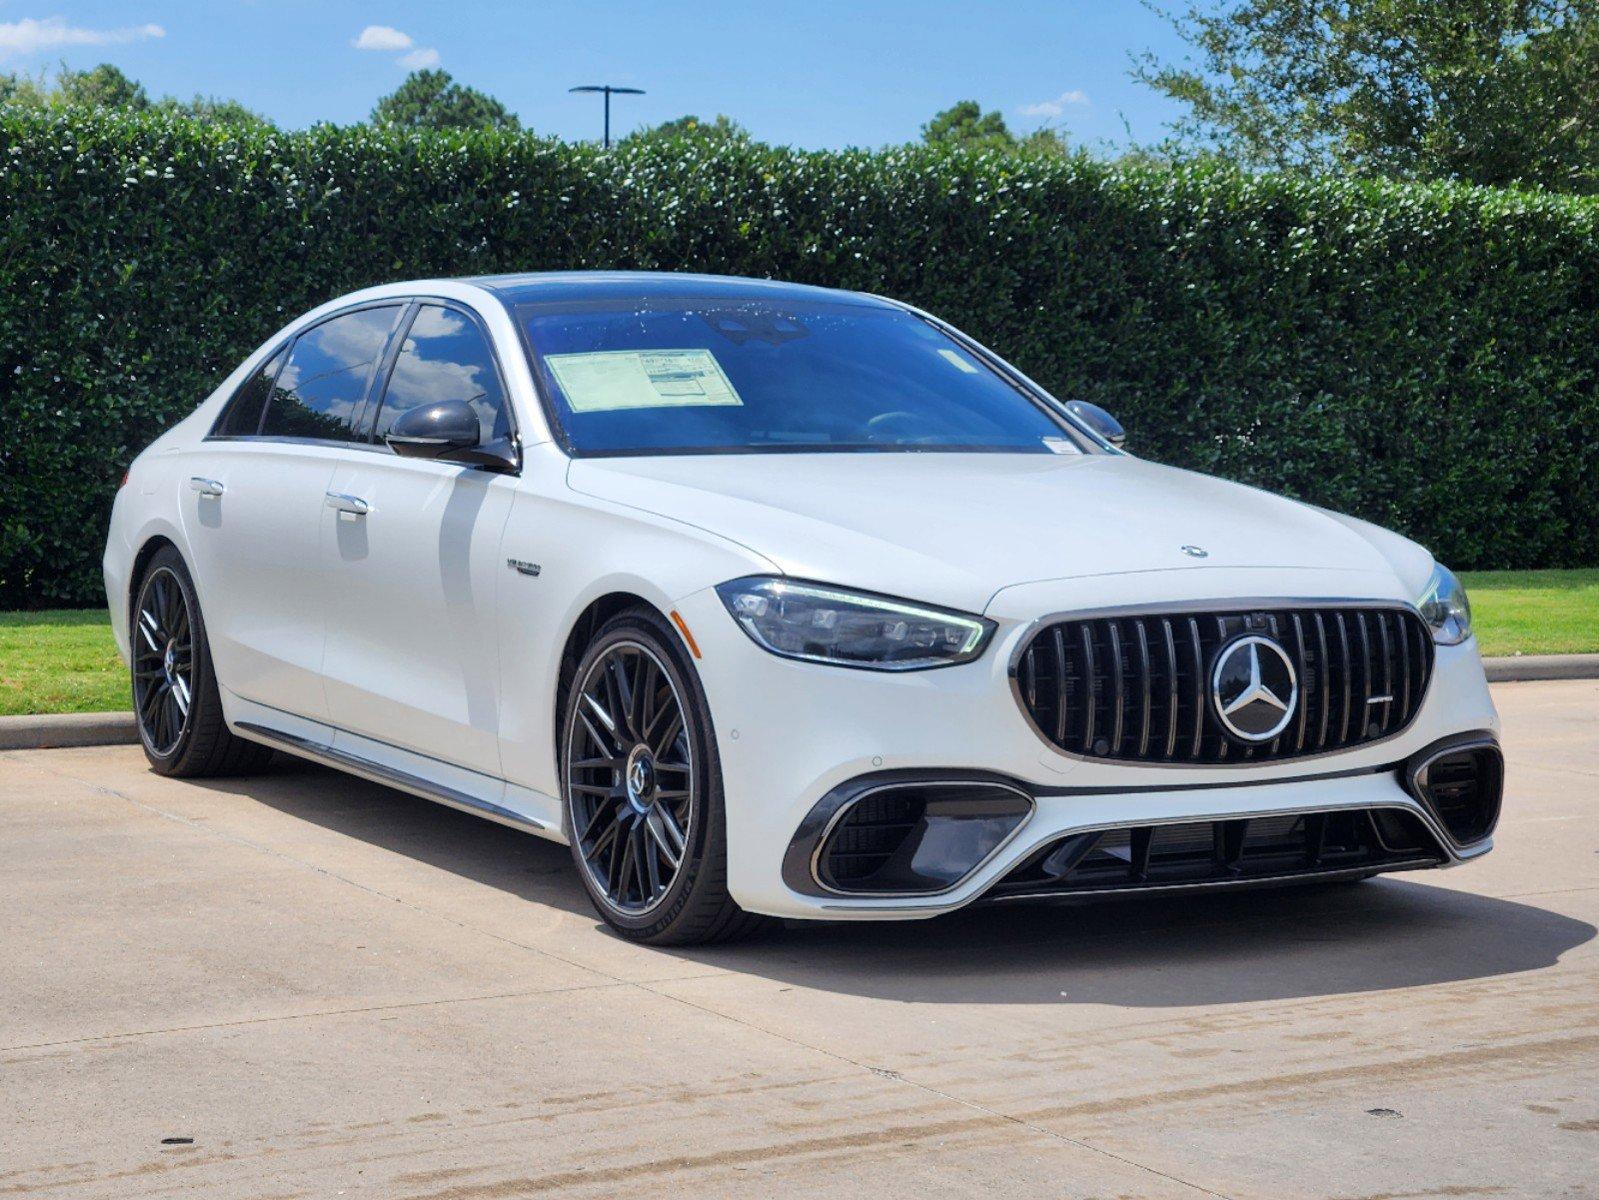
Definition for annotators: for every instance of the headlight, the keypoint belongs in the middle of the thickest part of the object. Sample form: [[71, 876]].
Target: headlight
[[1445, 608], [851, 629]]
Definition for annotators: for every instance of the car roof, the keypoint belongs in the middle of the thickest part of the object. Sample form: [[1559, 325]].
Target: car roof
[[536, 287]]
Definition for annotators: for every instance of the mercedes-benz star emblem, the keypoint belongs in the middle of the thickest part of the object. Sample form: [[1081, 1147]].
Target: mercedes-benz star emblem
[[1254, 688]]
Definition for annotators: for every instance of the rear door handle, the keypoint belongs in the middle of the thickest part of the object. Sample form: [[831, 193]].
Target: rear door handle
[[206, 487], [347, 503]]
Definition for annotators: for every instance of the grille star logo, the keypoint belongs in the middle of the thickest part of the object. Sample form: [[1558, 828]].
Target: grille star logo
[[1254, 688]]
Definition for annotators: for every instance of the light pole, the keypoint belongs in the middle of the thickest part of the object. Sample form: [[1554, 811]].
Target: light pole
[[609, 91]]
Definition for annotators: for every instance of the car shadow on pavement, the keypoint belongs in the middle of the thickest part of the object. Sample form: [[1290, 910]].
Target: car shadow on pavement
[[1149, 951]]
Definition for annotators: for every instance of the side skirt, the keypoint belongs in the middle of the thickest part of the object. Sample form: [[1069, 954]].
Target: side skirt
[[343, 760]]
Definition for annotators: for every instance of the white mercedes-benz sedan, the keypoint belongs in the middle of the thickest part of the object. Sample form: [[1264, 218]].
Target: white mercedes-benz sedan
[[772, 600]]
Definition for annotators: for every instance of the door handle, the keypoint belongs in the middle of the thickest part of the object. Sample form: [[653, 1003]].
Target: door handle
[[206, 487], [347, 503]]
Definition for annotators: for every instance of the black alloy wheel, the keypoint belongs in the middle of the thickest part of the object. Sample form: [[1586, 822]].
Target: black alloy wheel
[[175, 696], [642, 787], [163, 662]]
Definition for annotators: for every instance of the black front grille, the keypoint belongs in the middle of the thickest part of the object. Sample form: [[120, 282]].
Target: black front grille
[[1137, 688], [1232, 851]]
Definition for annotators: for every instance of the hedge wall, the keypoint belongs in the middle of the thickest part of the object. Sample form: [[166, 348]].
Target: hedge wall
[[1425, 357]]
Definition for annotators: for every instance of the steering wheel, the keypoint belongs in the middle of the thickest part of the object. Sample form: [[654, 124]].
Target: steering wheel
[[900, 427]]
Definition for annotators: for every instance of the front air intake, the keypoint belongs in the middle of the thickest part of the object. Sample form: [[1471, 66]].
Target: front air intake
[[1463, 785], [1338, 843], [1143, 688]]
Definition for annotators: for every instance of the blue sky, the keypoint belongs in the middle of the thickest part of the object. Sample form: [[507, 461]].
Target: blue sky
[[816, 74]]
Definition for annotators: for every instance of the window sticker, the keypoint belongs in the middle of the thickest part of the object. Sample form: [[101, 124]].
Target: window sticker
[[614, 380], [1061, 445], [960, 360]]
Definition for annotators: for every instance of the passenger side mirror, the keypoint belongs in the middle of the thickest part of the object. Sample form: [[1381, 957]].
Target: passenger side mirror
[[1097, 419], [449, 431]]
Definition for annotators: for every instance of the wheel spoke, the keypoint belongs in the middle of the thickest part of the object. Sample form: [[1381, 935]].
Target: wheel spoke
[[150, 628], [667, 836], [180, 693]]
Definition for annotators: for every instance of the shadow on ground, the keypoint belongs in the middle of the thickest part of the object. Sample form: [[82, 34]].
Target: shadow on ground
[[1155, 951]]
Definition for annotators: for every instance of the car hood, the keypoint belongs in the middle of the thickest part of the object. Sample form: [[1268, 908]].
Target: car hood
[[954, 529]]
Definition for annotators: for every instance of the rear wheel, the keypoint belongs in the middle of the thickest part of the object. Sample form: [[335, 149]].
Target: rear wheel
[[643, 789], [174, 687]]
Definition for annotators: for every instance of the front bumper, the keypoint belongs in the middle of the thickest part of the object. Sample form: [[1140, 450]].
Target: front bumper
[[789, 733]]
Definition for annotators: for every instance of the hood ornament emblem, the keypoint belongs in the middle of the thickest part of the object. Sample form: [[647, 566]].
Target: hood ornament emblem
[[1254, 688], [1195, 551]]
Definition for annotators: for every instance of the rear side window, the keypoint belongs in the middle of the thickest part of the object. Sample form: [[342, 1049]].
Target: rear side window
[[445, 357], [321, 388], [242, 417]]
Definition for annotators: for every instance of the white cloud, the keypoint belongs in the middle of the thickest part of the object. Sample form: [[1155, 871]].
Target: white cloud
[[382, 37], [418, 59], [28, 36], [1055, 107]]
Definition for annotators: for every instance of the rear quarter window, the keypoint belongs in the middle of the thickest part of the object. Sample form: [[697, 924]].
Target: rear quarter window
[[242, 416]]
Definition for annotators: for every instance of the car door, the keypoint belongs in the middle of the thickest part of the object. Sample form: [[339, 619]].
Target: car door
[[254, 506], [412, 558]]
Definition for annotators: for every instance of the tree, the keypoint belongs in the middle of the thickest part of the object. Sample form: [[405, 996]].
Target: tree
[[964, 125], [213, 109], [721, 130], [1486, 91], [104, 86], [433, 100]]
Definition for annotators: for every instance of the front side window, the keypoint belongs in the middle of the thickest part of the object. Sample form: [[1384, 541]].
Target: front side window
[[321, 388], [445, 357], [242, 417], [665, 375]]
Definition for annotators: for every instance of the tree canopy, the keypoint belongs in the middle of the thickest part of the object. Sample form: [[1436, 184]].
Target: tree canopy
[[722, 129], [964, 125], [106, 86], [433, 100], [1498, 92]]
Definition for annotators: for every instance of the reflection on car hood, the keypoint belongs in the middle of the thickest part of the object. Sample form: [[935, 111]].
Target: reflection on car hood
[[955, 528]]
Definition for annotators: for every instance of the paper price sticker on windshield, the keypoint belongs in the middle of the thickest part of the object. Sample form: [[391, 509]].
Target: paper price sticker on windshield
[[613, 380]]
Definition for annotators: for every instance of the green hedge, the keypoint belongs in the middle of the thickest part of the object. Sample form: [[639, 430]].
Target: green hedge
[[1425, 357]]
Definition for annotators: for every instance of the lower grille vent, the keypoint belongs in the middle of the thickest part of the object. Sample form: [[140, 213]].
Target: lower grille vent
[[1149, 856]]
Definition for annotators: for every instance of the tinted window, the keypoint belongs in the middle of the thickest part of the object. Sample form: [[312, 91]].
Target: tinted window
[[243, 415], [751, 375], [320, 389], [445, 357]]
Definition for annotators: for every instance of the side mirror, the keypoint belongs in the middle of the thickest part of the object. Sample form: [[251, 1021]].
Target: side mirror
[[449, 431], [1097, 419]]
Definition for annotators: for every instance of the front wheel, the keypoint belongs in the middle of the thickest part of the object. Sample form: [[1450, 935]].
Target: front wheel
[[643, 790]]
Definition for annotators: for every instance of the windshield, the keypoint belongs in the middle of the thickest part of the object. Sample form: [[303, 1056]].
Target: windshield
[[662, 375]]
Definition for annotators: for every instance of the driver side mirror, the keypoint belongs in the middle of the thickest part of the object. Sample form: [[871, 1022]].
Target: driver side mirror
[[449, 431], [1097, 419]]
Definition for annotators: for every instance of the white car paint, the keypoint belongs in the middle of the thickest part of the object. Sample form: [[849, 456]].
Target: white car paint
[[400, 645]]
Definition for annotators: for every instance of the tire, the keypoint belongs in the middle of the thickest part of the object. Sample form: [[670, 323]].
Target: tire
[[175, 698], [635, 786]]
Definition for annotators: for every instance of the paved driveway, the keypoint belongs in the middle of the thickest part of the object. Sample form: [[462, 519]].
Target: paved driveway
[[305, 985]]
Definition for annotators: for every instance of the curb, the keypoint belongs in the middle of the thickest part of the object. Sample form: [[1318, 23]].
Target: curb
[[64, 730], [1524, 667], [68, 729]]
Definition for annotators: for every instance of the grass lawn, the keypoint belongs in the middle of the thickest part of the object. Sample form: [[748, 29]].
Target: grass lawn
[[1535, 612], [64, 661], [60, 662]]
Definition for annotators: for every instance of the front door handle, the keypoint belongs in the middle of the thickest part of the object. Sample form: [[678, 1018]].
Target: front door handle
[[347, 503], [206, 487]]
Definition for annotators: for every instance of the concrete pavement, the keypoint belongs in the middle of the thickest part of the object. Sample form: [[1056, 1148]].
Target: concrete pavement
[[305, 985]]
